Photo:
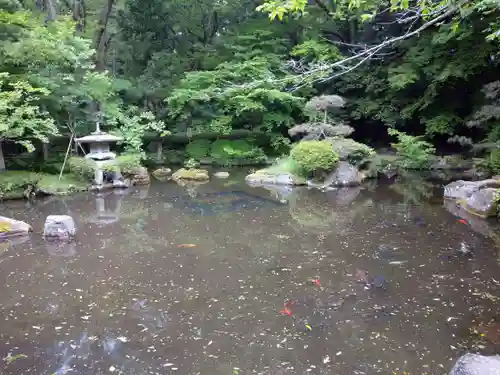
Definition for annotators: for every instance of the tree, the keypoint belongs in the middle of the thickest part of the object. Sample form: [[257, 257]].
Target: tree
[[21, 118]]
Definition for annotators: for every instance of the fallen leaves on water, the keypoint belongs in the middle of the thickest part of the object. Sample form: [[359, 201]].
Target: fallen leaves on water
[[186, 245], [11, 358]]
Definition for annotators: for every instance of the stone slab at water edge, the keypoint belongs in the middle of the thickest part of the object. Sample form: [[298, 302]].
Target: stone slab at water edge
[[267, 177], [475, 364], [11, 228], [477, 197]]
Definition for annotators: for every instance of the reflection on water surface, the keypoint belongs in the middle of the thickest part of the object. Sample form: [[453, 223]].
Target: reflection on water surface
[[268, 281]]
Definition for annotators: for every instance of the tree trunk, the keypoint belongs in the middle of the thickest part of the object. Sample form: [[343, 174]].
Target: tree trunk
[[2, 161], [100, 41], [51, 10]]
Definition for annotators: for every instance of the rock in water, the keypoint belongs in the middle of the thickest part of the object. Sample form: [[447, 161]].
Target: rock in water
[[462, 190], [483, 202], [475, 364], [59, 226], [221, 174], [10, 227], [346, 175], [162, 173], [476, 197], [190, 174]]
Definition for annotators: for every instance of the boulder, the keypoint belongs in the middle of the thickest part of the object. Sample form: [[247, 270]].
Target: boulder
[[266, 177], [191, 174], [138, 176], [221, 174], [59, 227], [10, 227], [483, 202], [462, 190], [162, 173], [345, 175], [475, 364], [452, 162]]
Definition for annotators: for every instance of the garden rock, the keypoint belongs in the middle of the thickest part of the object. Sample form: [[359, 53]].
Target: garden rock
[[346, 175], [462, 190], [59, 227], [10, 227], [482, 202], [191, 174], [221, 174], [265, 177], [475, 364], [162, 173], [139, 176]]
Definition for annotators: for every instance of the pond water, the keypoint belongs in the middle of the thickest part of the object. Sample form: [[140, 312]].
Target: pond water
[[223, 278]]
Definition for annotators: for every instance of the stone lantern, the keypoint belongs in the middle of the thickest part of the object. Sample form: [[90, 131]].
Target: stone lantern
[[100, 152]]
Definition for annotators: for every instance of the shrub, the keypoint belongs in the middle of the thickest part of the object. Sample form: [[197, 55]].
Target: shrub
[[125, 162], [198, 149], [493, 162], [349, 149], [226, 152], [414, 152], [314, 156], [82, 167], [191, 163]]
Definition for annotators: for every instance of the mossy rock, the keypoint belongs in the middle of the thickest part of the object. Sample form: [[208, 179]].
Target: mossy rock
[[190, 174], [162, 173]]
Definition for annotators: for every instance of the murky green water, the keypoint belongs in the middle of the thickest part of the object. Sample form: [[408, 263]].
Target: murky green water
[[223, 278]]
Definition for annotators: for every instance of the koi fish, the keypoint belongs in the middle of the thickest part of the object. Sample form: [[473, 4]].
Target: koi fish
[[286, 311], [462, 221]]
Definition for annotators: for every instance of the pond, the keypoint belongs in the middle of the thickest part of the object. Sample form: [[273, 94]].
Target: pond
[[224, 278]]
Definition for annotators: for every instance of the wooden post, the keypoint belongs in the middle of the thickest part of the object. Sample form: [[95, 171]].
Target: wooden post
[[159, 152], [2, 161], [45, 148]]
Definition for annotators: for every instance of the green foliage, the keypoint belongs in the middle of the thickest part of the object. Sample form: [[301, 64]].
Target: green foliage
[[191, 163], [493, 162], [227, 152], [198, 149], [84, 168], [314, 156], [126, 162], [349, 149], [21, 118], [133, 126], [414, 152], [13, 183]]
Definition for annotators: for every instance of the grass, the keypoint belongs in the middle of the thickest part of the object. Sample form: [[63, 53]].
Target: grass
[[286, 165], [14, 184], [68, 184]]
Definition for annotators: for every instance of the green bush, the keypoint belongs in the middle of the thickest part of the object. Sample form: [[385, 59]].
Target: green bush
[[227, 152], [14, 183], [84, 168], [198, 149], [125, 162], [493, 162], [350, 150], [314, 156], [413, 152]]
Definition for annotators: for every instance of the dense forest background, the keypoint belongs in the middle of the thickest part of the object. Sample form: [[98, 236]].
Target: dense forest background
[[246, 69]]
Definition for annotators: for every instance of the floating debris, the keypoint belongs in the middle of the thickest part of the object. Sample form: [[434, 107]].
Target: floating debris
[[186, 245]]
